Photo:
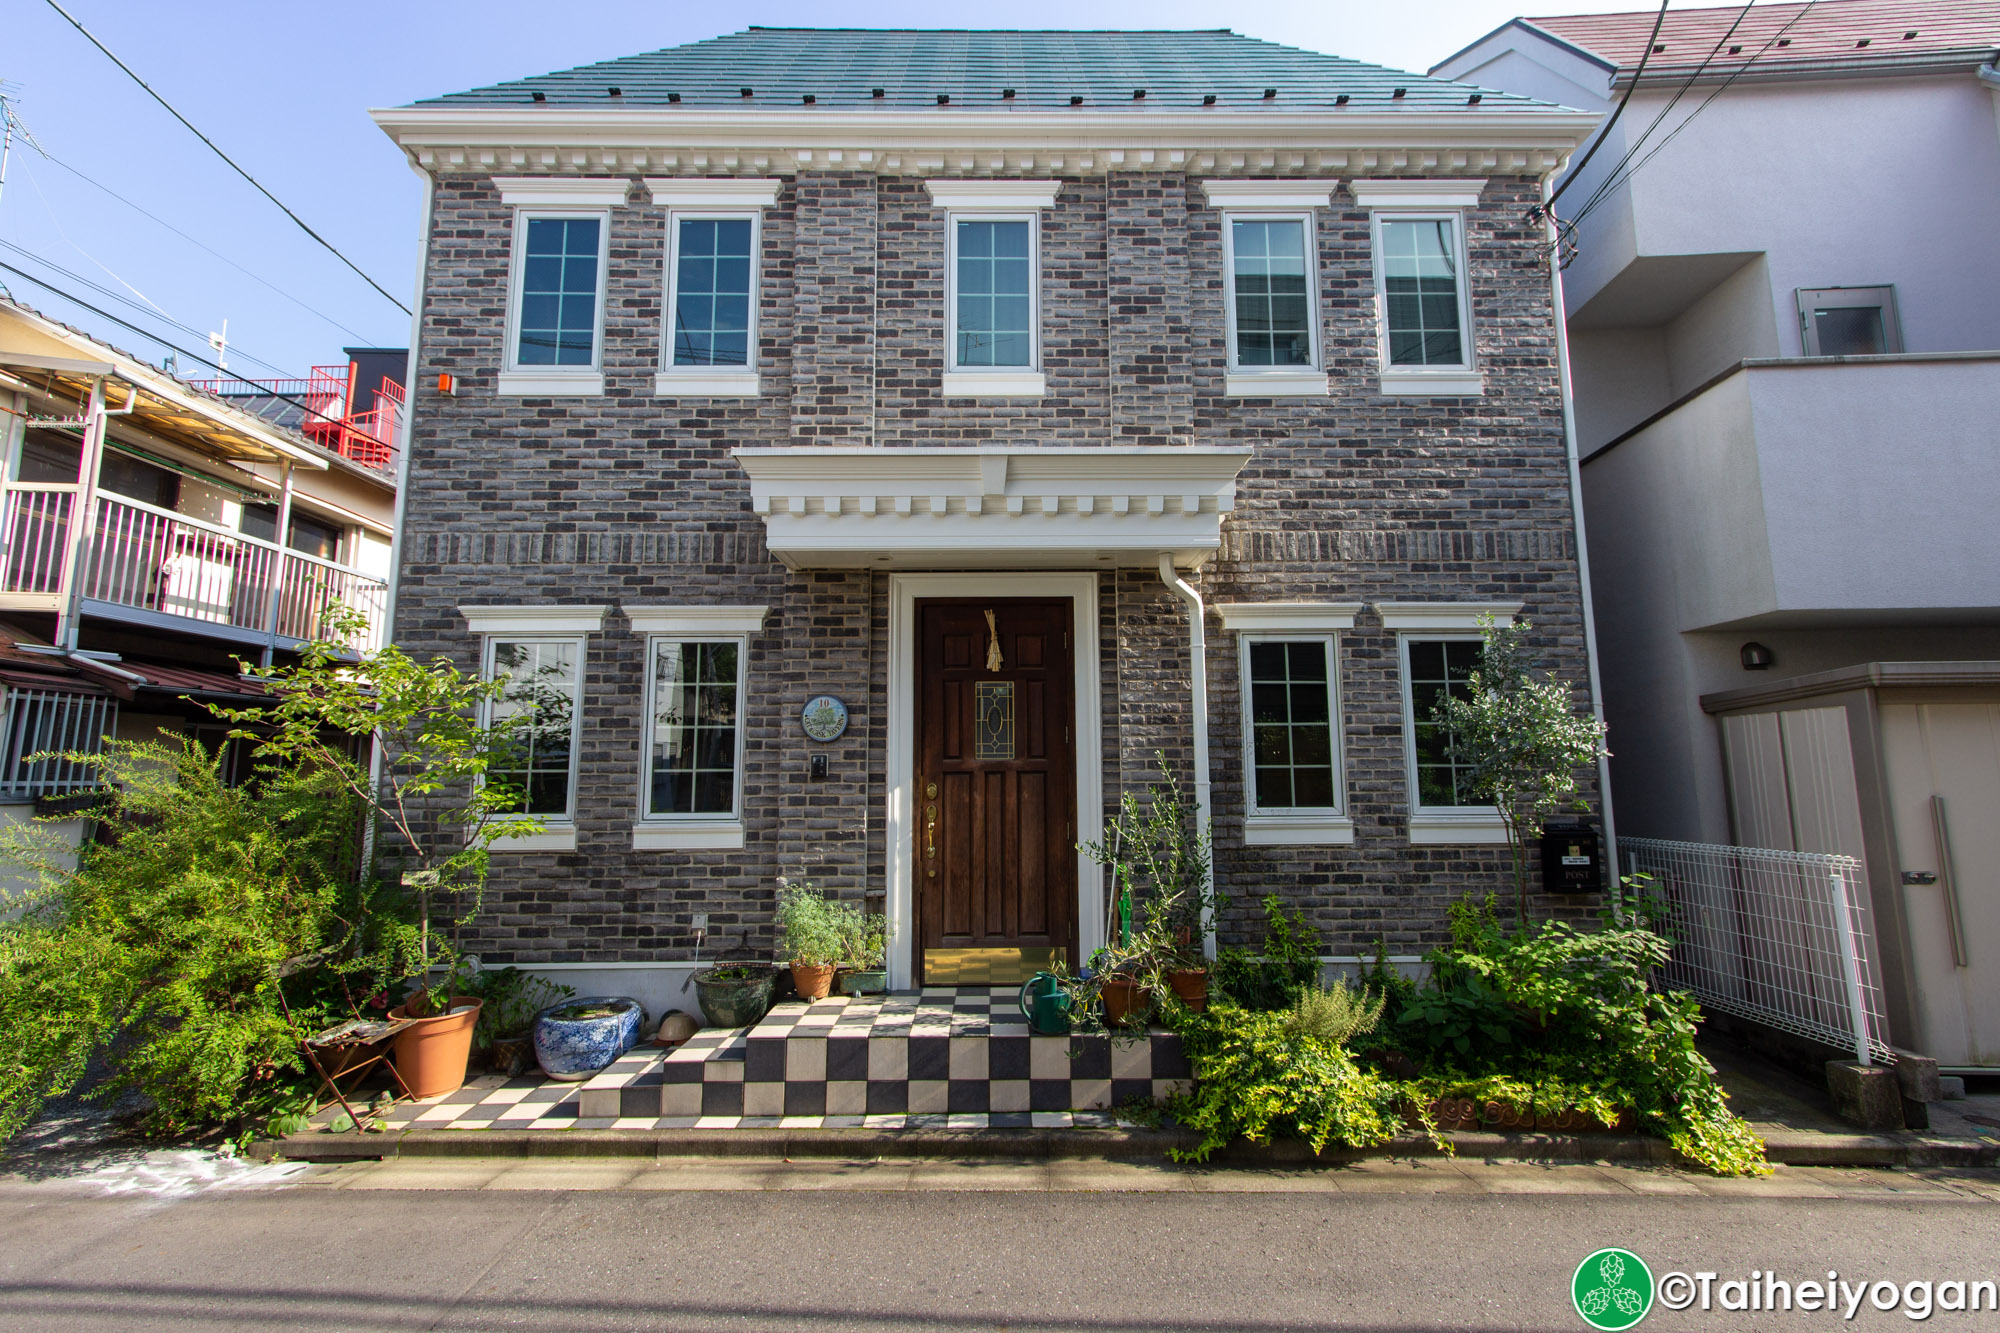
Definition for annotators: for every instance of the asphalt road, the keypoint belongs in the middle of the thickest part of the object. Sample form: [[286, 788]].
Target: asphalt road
[[549, 1245]]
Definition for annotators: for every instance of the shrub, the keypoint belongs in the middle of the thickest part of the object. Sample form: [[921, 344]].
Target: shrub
[[1334, 1015], [816, 930], [180, 937], [1256, 1076], [1284, 967]]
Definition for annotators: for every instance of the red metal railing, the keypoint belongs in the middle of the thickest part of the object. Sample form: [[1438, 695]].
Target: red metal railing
[[365, 437]]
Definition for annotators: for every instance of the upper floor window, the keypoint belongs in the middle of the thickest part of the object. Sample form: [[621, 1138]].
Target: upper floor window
[[714, 289], [1423, 289], [1849, 321], [992, 266], [555, 316], [715, 237], [992, 293], [1270, 293], [561, 290]]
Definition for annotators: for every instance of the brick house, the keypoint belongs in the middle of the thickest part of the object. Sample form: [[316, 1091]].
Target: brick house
[[940, 374]]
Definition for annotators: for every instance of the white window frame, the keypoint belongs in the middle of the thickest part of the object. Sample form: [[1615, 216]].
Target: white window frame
[[993, 381], [555, 381], [1423, 201], [705, 831], [702, 199], [1292, 622], [1309, 380], [558, 833], [540, 621], [1456, 622], [1892, 320]]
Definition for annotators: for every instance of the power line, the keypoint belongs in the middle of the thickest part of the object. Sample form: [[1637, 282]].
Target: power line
[[104, 291], [150, 336], [301, 223], [1605, 133], [1720, 89], [1610, 177], [357, 336]]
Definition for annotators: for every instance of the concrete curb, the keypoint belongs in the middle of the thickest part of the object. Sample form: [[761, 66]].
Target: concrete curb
[[1790, 1149]]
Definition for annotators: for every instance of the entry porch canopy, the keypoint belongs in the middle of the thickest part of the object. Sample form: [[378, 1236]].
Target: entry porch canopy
[[1029, 507]]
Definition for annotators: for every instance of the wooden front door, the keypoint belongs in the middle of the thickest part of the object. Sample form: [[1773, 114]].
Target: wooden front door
[[996, 784]]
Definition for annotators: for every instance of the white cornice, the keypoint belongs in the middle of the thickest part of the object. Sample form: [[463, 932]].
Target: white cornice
[[666, 619], [1316, 617], [707, 192], [1444, 615], [968, 194], [540, 619], [590, 192], [1037, 507], [1417, 194], [665, 140], [1268, 193]]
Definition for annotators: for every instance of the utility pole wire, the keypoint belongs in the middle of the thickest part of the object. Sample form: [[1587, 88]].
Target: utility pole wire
[[301, 222]]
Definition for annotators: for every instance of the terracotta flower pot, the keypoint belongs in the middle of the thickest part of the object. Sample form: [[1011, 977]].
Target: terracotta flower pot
[[432, 1056], [1191, 986], [1124, 998], [812, 980]]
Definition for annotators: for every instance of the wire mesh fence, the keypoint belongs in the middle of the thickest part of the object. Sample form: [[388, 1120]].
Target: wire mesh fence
[[1781, 938]]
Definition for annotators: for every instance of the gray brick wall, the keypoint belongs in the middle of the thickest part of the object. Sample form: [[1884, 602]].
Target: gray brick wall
[[629, 498]]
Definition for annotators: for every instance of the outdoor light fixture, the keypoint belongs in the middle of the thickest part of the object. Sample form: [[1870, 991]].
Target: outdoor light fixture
[[1756, 657]]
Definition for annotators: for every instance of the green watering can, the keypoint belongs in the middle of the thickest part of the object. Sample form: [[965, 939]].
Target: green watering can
[[1045, 1004]]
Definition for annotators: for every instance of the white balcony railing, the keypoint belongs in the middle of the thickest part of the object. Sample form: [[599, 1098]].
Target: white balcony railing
[[153, 559]]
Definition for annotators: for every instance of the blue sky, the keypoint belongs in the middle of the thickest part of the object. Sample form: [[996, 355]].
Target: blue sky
[[284, 89]]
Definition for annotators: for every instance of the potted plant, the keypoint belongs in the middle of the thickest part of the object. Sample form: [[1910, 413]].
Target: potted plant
[[814, 931], [864, 968], [735, 995], [576, 1038], [504, 1034]]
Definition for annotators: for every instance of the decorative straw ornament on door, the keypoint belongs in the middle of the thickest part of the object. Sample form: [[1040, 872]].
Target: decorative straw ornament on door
[[993, 659]]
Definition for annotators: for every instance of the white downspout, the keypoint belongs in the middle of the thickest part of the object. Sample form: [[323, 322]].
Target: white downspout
[[1198, 697], [1576, 512]]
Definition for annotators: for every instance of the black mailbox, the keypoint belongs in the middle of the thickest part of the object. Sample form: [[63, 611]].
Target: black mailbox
[[1572, 857]]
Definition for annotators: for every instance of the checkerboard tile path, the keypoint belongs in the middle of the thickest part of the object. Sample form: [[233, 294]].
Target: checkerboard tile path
[[938, 1059]]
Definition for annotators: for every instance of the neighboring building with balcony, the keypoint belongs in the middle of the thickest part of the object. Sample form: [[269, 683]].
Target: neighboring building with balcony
[[1784, 326], [155, 534]]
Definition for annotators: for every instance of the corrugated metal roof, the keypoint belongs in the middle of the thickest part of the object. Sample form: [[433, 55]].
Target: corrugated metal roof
[[1828, 31], [193, 680], [840, 68]]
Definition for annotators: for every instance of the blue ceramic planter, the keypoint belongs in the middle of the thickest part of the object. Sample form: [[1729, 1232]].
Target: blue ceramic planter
[[575, 1048]]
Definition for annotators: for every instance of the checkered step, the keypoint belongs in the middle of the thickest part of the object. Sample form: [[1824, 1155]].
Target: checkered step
[[963, 1052]]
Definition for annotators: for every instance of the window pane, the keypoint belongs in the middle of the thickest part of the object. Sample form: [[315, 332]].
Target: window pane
[[1850, 330], [542, 679], [1438, 666], [1420, 280], [713, 277], [994, 284], [1271, 294], [692, 765], [1291, 733], [558, 319]]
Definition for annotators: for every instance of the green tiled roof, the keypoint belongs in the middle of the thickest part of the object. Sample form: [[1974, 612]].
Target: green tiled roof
[[840, 69]]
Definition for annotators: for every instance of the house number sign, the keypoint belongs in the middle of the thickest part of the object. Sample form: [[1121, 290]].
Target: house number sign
[[824, 718]]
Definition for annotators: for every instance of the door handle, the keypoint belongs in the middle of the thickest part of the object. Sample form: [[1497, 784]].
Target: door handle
[[930, 837], [1949, 881]]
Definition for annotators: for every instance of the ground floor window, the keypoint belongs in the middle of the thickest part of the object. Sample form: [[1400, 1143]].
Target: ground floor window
[[544, 681], [1294, 751], [694, 735], [1433, 668]]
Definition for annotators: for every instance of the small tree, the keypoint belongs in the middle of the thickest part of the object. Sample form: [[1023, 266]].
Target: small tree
[[436, 787], [1518, 739]]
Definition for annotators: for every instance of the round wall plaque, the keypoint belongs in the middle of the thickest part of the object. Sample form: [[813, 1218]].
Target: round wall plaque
[[824, 718]]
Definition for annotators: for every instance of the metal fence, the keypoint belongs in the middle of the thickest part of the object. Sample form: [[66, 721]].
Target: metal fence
[[50, 723], [1782, 938]]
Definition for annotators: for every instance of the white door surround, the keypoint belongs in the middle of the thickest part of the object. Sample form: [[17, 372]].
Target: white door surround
[[900, 799]]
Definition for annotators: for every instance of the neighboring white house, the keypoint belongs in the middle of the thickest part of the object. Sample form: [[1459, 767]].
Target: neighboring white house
[[1783, 317]]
